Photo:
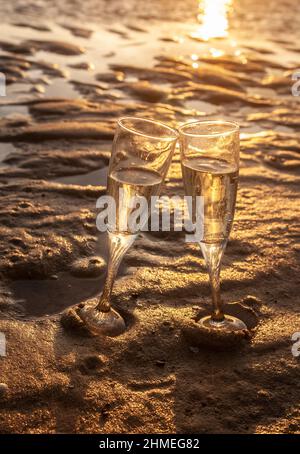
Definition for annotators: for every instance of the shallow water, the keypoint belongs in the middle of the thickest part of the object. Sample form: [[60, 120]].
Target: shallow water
[[95, 178]]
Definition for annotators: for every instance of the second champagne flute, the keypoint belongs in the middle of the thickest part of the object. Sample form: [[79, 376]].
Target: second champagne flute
[[210, 169], [141, 154]]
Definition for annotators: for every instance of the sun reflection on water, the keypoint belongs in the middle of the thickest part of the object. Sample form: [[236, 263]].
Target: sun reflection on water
[[213, 16]]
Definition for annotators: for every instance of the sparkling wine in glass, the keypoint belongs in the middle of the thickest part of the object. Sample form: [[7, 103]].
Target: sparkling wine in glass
[[141, 154], [210, 168]]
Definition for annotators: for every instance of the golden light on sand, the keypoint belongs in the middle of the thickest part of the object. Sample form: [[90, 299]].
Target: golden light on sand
[[213, 16]]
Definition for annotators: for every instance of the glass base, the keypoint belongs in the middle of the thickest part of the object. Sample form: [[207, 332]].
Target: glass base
[[229, 323], [108, 323]]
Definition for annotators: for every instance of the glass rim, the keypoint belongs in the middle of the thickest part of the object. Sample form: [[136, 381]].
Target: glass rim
[[173, 136], [235, 127]]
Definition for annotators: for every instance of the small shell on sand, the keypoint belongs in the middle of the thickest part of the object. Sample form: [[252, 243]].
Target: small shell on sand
[[88, 267], [71, 321]]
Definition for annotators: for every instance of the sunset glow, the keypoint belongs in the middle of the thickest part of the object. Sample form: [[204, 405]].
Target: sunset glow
[[213, 16]]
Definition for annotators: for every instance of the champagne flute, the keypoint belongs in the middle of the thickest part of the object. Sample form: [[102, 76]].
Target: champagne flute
[[210, 168], [141, 154]]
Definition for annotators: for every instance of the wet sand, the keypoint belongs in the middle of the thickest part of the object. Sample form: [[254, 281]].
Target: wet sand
[[68, 82]]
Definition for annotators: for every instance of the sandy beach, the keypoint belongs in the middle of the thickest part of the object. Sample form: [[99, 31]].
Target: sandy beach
[[72, 69]]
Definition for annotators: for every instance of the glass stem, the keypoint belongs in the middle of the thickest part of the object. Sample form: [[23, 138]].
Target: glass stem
[[214, 277], [213, 254], [118, 245]]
